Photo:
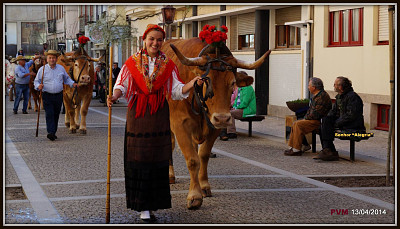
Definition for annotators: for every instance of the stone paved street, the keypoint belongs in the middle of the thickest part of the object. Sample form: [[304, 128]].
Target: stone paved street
[[252, 181]]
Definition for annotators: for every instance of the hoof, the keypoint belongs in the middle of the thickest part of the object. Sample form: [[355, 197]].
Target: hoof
[[206, 192], [194, 204], [67, 124], [72, 131], [82, 131], [172, 180]]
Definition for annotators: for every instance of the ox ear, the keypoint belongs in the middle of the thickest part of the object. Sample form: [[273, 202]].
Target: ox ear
[[100, 59], [250, 65]]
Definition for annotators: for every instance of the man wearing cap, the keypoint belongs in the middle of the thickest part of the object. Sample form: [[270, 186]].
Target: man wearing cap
[[54, 77], [22, 76]]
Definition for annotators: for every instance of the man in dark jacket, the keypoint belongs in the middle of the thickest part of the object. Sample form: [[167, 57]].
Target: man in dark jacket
[[346, 115], [319, 108], [115, 71]]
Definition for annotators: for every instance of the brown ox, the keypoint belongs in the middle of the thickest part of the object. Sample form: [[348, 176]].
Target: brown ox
[[39, 62], [80, 68], [191, 130]]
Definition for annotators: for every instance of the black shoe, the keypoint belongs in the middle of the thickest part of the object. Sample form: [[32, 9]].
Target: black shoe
[[15, 112], [55, 137], [232, 135], [24, 112], [290, 152], [51, 137]]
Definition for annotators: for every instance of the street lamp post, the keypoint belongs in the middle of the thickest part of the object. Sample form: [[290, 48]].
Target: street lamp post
[[168, 13]]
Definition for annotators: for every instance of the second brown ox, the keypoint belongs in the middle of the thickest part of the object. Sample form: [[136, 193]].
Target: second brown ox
[[80, 68], [194, 136]]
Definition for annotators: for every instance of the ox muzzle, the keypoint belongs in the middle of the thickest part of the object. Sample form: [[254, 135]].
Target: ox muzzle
[[221, 120]]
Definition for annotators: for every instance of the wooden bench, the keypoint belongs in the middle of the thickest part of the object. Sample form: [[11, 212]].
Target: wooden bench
[[251, 119], [352, 137]]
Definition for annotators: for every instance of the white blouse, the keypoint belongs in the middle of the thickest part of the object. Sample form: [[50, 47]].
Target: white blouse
[[176, 93]]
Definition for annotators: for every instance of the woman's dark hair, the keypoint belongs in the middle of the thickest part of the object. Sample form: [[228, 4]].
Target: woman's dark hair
[[317, 83], [345, 82]]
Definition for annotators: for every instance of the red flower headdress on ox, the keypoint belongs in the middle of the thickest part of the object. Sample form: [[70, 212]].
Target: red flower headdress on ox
[[145, 89], [83, 40], [212, 36]]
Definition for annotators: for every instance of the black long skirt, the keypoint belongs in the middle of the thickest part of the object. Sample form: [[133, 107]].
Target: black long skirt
[[147, 152]]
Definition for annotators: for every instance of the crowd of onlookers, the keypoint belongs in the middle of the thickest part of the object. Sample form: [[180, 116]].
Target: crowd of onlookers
[[11, 64]]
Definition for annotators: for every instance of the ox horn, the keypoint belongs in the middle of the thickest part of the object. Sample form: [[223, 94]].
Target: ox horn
[[197, 61], [251, 65], [97, 59]]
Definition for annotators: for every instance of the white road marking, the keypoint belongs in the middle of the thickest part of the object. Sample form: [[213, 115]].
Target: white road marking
[[123, 195], [302, 178], [44, 209]]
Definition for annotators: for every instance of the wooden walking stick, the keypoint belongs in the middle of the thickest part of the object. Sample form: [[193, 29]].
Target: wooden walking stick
[[40, 101], [109, 141]]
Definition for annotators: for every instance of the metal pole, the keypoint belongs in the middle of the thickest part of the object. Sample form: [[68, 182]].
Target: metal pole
[[40, 101], [391, 121], [109, 140]]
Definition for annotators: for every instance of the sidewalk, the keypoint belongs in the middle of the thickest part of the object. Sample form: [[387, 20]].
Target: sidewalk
[[372, 150]]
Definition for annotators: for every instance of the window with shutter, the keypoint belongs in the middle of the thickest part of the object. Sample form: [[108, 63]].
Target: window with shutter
[[246, 30], [233, 34], [287, 36], [383, 25]]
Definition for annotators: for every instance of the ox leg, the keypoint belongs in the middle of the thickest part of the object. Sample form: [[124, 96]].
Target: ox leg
[[171, 163], [83, 112], [69, 117], [189, 150], [67, 110], [36, 101], [204, 154], [29, 100], [77, 116]]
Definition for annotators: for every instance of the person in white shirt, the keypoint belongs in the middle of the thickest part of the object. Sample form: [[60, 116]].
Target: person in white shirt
[[54, 77]]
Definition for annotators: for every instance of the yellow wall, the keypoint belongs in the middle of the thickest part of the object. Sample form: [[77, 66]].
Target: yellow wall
[[207, 9], [366, 66]]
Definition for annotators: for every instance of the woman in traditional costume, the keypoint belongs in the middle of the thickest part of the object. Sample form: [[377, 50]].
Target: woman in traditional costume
[[146, 79]]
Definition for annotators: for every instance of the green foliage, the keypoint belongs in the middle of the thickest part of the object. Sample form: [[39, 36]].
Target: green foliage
[[108, 30], [299, 101]]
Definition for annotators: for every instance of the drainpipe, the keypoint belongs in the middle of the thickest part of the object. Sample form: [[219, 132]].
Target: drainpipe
[[309, 54]]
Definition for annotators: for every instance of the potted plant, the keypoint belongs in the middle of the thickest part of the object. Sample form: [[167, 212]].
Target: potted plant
[[298, 105]]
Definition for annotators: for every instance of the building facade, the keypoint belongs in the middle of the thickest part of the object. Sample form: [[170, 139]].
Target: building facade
[[25, 28], [352, 41]]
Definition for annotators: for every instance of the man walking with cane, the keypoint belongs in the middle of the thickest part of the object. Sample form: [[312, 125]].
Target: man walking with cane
[[51, 86]]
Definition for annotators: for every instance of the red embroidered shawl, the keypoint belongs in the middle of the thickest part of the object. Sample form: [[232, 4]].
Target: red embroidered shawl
[[148, 90]]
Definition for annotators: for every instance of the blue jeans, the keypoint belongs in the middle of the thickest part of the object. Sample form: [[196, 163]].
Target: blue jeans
[[52, 106], [21, 89]]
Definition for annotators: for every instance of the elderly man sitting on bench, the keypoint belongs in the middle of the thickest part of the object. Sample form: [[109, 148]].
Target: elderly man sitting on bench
[[319, 107], [346, 115]]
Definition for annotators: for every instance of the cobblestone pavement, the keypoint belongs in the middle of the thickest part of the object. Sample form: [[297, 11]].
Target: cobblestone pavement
[[252, 182]]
